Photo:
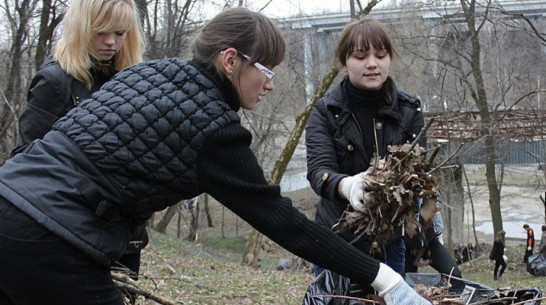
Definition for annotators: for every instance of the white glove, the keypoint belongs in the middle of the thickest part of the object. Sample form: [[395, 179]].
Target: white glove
[[353, 189], [392, 288], [529, 248]]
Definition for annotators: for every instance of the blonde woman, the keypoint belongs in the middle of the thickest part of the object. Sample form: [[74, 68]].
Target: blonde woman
[[99, 38]]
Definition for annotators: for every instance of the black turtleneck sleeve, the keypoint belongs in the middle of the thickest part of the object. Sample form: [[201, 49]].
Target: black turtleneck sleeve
[[229, 171]]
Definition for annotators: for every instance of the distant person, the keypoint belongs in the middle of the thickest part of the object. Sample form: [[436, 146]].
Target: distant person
[[542, 247], [530, 243], [159, 132], [497, 254]]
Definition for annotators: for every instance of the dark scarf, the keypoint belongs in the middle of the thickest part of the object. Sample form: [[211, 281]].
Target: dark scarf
[[365, 105], [101, 72], [105, 67]]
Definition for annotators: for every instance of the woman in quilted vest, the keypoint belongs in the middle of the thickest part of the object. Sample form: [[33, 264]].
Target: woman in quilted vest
[[160, 131], [99, 38]]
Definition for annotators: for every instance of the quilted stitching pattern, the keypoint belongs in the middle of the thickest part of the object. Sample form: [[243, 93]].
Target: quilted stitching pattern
[[144, 128]]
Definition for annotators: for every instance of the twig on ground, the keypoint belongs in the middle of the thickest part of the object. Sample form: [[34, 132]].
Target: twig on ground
[[125, 282]]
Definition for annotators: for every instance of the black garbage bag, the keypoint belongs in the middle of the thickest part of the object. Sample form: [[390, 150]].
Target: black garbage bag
[[330, 288], [536, 265]]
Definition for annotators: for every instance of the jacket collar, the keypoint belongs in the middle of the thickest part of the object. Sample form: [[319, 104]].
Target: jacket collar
[[231, 97], [338, 97]]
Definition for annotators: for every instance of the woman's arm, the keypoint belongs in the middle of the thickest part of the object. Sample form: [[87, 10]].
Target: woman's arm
[[48, 98], [322, 164], [229, 172]]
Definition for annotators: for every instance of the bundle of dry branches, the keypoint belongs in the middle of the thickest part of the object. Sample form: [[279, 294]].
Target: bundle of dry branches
[[395, 185]]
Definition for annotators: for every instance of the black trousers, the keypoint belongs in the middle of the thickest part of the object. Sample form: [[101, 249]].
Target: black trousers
[[527, 254], [499, 263], [37, 267]]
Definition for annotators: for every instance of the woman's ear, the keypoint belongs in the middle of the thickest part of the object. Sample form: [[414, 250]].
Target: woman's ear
[[228, 58]]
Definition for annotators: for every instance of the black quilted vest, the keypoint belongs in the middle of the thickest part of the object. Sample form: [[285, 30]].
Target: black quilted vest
[[126, 152]]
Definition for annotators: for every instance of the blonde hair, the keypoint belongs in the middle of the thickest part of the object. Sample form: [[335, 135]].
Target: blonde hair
[[83, 20]]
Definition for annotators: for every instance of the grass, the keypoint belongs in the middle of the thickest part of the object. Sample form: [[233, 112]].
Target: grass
[[209, 272]]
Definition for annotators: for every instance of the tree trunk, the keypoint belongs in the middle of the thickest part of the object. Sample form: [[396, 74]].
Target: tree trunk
[[45, 34], [544, 203], [453, 194], [479, 95], [194, 221], [472, 210], [207, 210], [252, 249], [164, 222]]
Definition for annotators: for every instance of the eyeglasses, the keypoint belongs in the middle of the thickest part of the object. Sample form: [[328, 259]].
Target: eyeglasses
[[268, 73]]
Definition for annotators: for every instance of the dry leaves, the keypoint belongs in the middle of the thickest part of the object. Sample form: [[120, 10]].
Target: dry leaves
[[396, 183]]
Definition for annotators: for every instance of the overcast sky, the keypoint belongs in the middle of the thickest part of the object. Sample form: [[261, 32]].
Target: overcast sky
[[286, 8]]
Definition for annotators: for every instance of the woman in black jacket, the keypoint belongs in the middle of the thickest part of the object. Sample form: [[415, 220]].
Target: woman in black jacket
[[363, 114], [99, 38], [158, 132], [497, 254]]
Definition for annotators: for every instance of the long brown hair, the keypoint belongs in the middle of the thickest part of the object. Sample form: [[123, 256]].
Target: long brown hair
[[359, 35], [251, 33]]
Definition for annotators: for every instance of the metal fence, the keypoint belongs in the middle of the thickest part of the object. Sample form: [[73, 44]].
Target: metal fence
[[528, 152]]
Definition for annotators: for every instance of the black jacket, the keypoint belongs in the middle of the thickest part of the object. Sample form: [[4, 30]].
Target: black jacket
[[335, 147], [497, 252], [159, 132], [51, 94]]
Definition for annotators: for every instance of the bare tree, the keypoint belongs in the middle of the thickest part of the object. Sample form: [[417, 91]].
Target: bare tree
[[169, 27], [19, 14], [465, 66], [49, 20]]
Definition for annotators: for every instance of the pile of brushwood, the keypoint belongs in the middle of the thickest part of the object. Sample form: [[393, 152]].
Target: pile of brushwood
[[439, 289]]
